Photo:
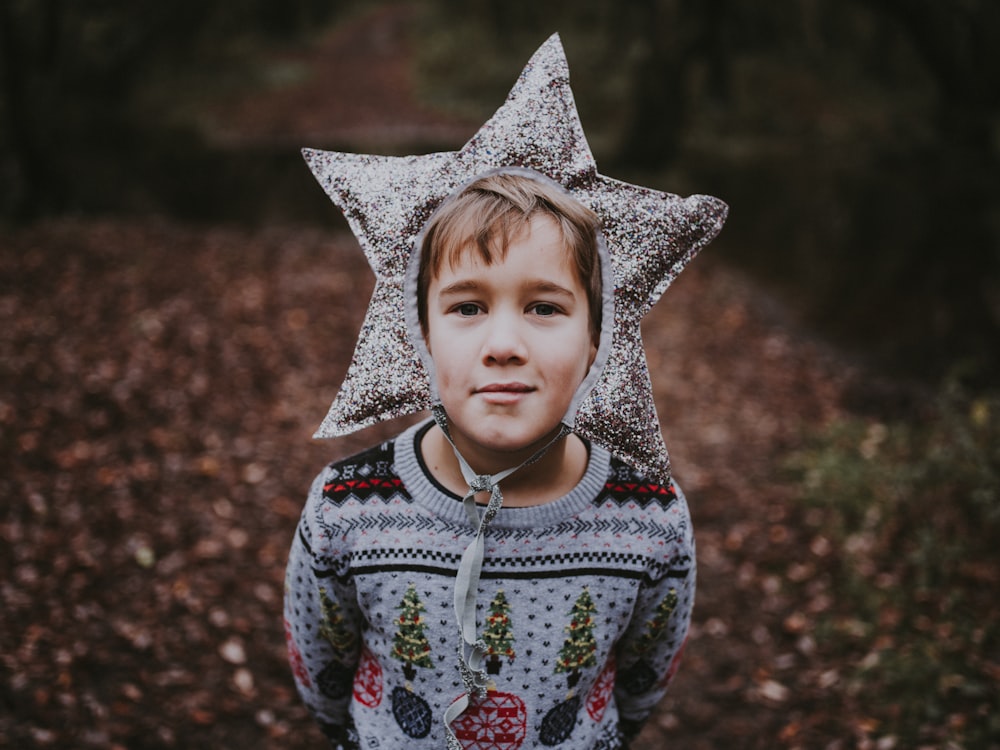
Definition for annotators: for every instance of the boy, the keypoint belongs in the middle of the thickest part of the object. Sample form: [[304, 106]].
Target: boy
[[510, 306], [566, 598]]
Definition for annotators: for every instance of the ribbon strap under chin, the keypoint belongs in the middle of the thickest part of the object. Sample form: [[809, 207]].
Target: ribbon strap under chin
[[472, 649]]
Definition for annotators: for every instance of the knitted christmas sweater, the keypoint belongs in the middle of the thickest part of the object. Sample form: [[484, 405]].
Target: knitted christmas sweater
[[584, 605]]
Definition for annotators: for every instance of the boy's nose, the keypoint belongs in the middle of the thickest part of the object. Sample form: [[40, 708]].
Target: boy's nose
[[504, 342]]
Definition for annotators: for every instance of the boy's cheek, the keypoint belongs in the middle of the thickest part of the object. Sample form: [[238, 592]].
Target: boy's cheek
[[431, 331]]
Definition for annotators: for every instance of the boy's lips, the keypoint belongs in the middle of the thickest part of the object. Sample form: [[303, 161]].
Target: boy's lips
[[503, 393], [505, 388]]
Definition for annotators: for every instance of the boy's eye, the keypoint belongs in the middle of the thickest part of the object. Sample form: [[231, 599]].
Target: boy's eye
[[467, 309], [544, 309]]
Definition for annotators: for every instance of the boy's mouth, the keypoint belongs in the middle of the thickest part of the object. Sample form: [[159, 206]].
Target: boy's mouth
[[503, 393], [505, 388]]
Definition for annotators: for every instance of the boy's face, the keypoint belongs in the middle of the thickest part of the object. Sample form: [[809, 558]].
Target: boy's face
[[511, 342]]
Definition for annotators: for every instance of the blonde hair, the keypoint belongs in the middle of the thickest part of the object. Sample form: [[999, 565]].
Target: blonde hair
[[492, 212]]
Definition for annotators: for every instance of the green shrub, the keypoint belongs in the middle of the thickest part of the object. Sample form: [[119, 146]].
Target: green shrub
[[912, 511]]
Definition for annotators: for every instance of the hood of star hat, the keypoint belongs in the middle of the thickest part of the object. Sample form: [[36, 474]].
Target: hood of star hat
[[649, 237]]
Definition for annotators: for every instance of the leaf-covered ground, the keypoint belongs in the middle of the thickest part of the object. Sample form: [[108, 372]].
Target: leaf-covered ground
[[158, 388]]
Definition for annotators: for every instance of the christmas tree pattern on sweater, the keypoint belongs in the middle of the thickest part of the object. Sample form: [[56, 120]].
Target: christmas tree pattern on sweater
[[411, 647], [578, 651], [640, 676], [498, 636], [500, 720], [335, 680]]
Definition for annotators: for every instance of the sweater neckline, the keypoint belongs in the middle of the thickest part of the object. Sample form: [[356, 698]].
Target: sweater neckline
[[428, 492]]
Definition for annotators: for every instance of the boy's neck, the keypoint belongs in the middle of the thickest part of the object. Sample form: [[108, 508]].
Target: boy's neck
[[554, 475]]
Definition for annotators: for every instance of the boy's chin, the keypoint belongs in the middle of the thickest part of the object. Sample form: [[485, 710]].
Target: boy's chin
[[508, 444]]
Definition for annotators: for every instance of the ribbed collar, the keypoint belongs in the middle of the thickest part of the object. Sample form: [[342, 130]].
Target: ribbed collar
[[428, 492]]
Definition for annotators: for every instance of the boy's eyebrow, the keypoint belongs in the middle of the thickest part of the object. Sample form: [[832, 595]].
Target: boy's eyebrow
[[552, 288], [460, 287], [471, 285]]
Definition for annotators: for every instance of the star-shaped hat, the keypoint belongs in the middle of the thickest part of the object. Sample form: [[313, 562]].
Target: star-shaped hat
[[649, 235]]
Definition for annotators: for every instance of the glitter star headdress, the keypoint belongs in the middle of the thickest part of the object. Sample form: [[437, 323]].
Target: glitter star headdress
[[650, 237]]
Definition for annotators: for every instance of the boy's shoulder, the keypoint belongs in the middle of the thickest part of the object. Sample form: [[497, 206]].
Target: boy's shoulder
[[377, 459], [626, 485], [371, 471]]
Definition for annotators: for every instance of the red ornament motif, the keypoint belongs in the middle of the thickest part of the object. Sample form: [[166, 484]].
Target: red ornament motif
[[498, 722], [295, 658], [368, 680], [600, 694], [361, 484]]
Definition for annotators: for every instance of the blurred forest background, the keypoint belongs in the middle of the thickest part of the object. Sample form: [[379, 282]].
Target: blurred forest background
[[828, 375], [857, 141]]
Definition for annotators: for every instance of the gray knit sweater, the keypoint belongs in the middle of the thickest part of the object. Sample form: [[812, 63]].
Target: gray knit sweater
[[584, 606]]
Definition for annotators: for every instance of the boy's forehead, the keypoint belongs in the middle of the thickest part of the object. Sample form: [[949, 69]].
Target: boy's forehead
[[498, 236], [543, 231]]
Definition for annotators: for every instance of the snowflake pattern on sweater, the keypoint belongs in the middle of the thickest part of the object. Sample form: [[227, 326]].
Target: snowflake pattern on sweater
[[584, 604]]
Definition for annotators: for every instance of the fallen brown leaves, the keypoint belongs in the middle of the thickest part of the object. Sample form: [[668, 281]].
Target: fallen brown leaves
[[159, 386]]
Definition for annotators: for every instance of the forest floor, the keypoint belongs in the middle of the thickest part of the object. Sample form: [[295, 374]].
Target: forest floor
[[159, 384]]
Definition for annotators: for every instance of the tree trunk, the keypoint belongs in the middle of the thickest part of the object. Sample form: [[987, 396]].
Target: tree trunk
[[35, 187]]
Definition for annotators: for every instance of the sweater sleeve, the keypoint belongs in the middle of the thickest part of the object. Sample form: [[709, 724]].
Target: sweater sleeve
[[650, 650], [322, 618]]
